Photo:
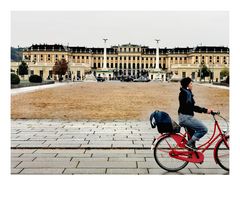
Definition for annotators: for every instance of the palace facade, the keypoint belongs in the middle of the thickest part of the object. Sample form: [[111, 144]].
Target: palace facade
[[126, 60]]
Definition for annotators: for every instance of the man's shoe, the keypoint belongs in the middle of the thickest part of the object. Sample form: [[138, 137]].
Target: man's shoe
[[191, 146]]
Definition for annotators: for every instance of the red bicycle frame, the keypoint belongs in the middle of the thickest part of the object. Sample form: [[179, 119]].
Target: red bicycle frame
[[180, 139]]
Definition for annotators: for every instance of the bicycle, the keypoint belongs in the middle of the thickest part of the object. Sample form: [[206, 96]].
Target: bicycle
[[171, 154]]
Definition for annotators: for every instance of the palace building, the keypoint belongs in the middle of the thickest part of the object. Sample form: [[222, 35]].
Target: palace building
[[126, 60]]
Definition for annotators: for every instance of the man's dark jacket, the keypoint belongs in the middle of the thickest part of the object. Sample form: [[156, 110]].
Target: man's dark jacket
[[187, 103]]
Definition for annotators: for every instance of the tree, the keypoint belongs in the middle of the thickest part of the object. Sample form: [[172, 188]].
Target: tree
[[224, 73], [23, 69], [16, 54], [60, 68], [205, 72]]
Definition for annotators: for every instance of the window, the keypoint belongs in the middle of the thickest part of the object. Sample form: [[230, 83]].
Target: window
[[82, 57], [41, 73], [129, 58], [78, 75], [63, 56], [50, 74]]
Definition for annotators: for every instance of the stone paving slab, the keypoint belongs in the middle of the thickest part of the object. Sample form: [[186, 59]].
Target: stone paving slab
[[99, 161], [84, 134], [43, 171], [208, 171], [52, 159], [47, 165], [102, 164], [84, 171], [127, 171]]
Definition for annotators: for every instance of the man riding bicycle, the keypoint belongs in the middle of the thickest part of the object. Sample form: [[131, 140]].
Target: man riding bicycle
[[186, 111]]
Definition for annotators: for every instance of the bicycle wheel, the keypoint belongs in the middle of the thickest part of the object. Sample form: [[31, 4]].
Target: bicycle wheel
[[222, 154], [162, 157]]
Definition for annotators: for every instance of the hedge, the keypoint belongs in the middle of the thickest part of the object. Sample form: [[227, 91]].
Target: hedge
[[35, 79], [14, 79]]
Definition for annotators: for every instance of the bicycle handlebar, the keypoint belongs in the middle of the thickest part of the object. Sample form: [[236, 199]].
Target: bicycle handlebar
[[215, 113]]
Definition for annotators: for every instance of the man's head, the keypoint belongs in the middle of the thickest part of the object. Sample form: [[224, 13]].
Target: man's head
[[186, 83]]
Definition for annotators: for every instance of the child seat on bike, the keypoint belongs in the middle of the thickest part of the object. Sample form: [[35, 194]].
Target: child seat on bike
[[163, 122]]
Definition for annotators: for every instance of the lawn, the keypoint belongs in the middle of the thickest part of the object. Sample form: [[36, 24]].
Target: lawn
[[112, 101]]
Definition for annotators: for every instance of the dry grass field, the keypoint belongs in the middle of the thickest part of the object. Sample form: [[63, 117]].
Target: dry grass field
[[112, 101]]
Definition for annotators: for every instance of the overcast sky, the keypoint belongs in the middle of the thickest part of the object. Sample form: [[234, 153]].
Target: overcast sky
[[88, 28]]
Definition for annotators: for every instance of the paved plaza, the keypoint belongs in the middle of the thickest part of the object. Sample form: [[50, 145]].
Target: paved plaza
[[86, 147]]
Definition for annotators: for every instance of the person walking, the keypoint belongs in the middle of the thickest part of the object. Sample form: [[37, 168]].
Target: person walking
[[186, 111]]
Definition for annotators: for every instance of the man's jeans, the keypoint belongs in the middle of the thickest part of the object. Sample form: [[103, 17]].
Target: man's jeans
[[196, 128]]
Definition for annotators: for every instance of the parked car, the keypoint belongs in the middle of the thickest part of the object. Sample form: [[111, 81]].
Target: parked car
[[142, 79], [127, 79], [100, 79]]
